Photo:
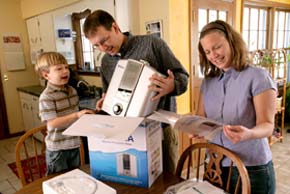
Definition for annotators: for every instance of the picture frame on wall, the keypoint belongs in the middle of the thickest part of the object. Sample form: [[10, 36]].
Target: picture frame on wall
[[155, 28]]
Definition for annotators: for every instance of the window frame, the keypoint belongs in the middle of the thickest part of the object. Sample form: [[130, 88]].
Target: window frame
[[78, 44], [271, 7]]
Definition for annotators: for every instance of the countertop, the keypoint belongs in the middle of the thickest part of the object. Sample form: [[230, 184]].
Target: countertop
[[35, 90], [85, 102]]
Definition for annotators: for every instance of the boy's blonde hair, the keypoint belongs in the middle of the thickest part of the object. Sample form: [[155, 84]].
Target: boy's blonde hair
[[48, 59]]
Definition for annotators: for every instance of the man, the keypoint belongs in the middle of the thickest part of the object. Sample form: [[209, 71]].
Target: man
[[103, 32]]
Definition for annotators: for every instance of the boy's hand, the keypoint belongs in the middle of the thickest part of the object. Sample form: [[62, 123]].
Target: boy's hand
[[161, 85], [85, 111]]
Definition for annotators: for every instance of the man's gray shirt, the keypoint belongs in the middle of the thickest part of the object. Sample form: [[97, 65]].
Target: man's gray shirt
[[156, 52]]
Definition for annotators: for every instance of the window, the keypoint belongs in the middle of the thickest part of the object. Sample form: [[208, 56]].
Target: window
[[267, 26], [281, 37], [87, 49], [255, 27], [281, 29], [88, 57]]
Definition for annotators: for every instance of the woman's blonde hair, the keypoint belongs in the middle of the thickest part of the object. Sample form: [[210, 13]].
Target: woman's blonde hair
[[239, 51], [48, 59]]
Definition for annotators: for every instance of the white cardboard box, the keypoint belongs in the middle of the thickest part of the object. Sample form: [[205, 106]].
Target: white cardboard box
[[75, 181], [134, 160]]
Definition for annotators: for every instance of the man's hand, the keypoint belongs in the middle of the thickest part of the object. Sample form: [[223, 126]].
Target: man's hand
[[162, 86]]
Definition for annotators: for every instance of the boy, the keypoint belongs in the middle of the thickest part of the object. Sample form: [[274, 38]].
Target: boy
[[58, 107]]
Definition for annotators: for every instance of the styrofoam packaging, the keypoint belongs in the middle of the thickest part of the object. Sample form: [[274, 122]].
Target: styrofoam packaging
[[135, 161], [75, 182]]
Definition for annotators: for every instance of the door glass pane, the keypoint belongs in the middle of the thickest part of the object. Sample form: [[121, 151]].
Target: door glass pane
[[246, 19], [202, 19], [212, 15], [222, 15]]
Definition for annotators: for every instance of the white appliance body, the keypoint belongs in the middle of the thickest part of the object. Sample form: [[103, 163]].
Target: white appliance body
[[128, 93]]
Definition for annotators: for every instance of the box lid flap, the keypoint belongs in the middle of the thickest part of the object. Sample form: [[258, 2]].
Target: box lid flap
[[103, 126]]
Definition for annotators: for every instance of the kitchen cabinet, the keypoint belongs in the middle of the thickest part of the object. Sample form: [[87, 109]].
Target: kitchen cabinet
[[41, 35], [30, 112]]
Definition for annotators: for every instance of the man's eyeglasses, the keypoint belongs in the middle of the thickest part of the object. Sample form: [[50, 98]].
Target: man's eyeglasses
[[102, 42]]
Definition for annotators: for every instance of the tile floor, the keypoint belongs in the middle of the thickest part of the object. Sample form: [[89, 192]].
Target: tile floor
[[9, 183]]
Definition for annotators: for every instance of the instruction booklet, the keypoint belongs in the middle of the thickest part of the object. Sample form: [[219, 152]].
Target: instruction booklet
[[191, 124]]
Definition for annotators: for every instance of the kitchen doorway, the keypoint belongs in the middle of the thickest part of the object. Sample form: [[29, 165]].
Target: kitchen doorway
[[4, 129], [203, 12]]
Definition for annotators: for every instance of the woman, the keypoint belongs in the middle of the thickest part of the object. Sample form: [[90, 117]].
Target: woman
[[240, 96]]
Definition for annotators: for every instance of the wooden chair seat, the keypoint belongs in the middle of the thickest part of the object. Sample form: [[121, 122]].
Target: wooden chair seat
[[194, 165], [30, 156]]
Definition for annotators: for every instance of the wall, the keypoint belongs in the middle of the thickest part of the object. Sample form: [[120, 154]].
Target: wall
[[11, 11], [150, 10], [175, 18], [35, 7], [179, 41], [134, 15]]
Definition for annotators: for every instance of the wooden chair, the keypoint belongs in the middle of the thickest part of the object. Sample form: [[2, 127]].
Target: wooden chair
[[193, 159], [30, 156]]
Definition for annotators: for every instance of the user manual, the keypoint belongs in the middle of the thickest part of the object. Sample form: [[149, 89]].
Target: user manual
[[191, 124], [194, 187]]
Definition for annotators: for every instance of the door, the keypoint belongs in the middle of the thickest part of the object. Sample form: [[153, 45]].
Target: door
[[4, 130], [203, 12]]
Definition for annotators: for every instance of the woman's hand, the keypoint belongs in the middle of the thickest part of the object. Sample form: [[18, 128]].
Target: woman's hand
[[237, 133]]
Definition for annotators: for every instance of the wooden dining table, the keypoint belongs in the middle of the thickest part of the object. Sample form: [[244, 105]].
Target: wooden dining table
[[158, 187]]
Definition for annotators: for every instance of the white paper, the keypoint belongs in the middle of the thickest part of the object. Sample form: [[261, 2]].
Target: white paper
[[194, 187], [13, 51], [104, 126], [190, 124]]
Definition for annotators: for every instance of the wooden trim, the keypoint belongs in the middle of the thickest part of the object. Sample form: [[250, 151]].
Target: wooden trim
[[4, 129], [267, 3], [76, 17]]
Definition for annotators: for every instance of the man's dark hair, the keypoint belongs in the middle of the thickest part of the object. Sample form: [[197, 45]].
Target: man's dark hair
[[96, 19]]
